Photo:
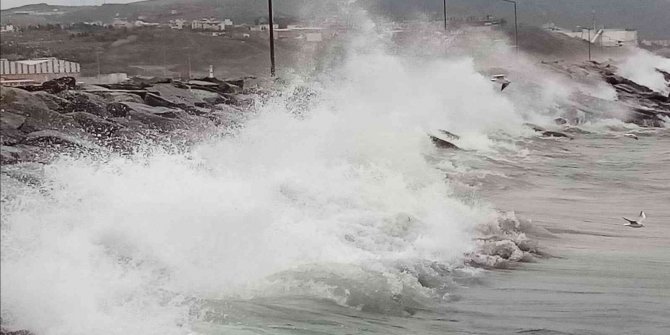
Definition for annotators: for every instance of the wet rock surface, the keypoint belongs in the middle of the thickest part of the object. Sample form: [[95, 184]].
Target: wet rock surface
[[39, 122], [645, 107]]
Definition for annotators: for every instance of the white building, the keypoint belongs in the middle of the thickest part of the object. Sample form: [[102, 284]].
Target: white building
[[7, 28], [37, 70], [658, 43], [606, 37], [121, 23], [140, 23], [177, 24], [263, 27], [208, 24]]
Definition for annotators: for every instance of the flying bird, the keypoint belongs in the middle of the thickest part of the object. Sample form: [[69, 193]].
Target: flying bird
[[636, 223], [500, 79], [633, 136]]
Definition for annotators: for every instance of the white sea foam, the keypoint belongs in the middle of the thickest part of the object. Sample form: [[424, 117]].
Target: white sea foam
[[641, 66], [123, 245]]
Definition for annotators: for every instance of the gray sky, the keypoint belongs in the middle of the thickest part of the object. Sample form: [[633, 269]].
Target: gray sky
[[4, 4]]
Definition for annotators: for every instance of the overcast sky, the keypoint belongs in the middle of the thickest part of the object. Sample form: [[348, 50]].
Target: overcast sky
[[16, 3]]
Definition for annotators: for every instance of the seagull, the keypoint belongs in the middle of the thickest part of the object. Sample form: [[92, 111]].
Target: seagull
[[636, 223], [631, 136], [500, 79]]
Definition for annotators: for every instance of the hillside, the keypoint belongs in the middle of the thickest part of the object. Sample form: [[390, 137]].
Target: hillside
[[650, 17]]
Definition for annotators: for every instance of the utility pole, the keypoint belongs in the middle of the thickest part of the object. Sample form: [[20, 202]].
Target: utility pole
[[445, 15], [272, 39], [589, 44], [189, 65], [164, 61], [516, 26], [97, 57]]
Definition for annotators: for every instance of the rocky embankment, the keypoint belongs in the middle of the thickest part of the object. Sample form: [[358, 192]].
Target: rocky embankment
[[38, 122], [643, 106]]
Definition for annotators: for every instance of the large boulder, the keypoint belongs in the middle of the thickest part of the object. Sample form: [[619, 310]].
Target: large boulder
[[94, 124], [86, 102], [167, 95], [54, 103], [37, 114], [442, 143], [53, 138], [120, 96], [10, 124], [59, 85], [159, 118]]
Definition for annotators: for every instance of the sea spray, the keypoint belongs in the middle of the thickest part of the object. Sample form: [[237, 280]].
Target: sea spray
[[128, 244]]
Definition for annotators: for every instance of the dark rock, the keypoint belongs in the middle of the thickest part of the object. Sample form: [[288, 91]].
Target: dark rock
[[20, 101], [54, 103], [94, 124], [158, 101], [443, 144], [666, 75], [645, 117], [241, 100], [449, 134], [120, 96], [118, 109], [37, 115], [231, 87], [23, 153], [11, 136], [560, 121], [14, 332], [161, 118], [534, 127], [550, 133], [59, 85], [86, 102], [53, 86], [10, 120], [56, 138], [10, 124], [47, 120], [575, 130], [9, 155]]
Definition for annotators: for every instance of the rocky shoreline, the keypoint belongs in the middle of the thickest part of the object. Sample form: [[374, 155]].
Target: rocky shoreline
[[38, 122], [645, 107]]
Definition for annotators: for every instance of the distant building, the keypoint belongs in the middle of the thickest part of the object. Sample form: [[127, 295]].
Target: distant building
[[263, 27], [177, 24], [656, 43], [228, 22], [7, 28], [121, 23], [36, 70], [208, 24], [606, 37], [140, 23], [174, 12]]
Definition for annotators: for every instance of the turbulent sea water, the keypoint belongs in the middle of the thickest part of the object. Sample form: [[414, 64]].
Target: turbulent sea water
[[333, 213]]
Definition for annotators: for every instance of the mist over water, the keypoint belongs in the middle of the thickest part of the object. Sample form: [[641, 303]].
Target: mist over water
[[334, 195]]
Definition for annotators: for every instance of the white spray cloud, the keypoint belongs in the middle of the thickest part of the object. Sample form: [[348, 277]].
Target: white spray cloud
[[640, 66]]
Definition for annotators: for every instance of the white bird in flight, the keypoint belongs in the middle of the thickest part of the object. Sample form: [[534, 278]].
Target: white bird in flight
[[633, 136], [636, 223], [500, 79]]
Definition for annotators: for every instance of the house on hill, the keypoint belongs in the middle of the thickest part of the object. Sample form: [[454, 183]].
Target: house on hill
[[208, 24]]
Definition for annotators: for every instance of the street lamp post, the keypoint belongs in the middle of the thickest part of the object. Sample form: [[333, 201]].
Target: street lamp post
[[589, 44], [516, 25], [588, 29], [272, 39], [445, 15]]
